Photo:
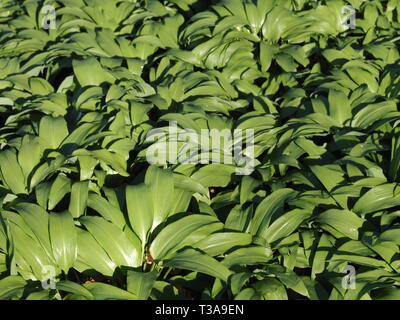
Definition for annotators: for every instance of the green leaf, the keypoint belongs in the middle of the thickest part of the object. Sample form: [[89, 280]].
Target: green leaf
[[191, 259], [196, 236], [218, 243], [63, 239], [11, 286], [140, 210], [285, 225], [93, 255], [391, 293], [106, 210], [116, 161], [271, 289], [86, 166], [214, 175], [248, 256], [122, 251], [267, 208], [29, 254], [173, 234], [330, 176], [339, 107], [189, 184], [72, 287], [247, 186], [344, 221], [52, 131], [161, 184], [391, 235], [248, 294], [266, 55], [89, 72], [38, 220], [239, 218], [60, 187], [11, 172], [103, 291], [325, 247], [29, 154], [378, 198], [79, 197]]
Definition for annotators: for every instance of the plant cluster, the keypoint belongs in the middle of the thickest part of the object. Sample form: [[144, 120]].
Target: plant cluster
[[83, 215]]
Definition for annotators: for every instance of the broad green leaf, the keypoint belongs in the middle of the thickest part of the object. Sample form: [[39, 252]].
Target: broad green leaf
[[11, 286], [189, 184], [116, 161], [339, 107], [164, 291], [239, 218], [248, 256], [106, 210], [330, 176], [390, 293], [89, 72], [173, 234], [79, 197], [191, 259], [141, 283], [271, 289], [93, 255], [247, 186], [38, 220], [248, 294], [29, 154], [285, 225], [52, 131], [344, 221], [161, 185], [266, 55], [196, 236], [391, 234], [103, 291], [378, 198], [29, 253], [218, 243], [121, 250], [86, 166], [214, 175], [139, 203], [11, 172], [267, 208], [60, 187], [72, 287], [325, 247]]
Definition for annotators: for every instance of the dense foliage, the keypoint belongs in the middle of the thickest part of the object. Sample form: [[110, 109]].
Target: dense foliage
[[83, 215]]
